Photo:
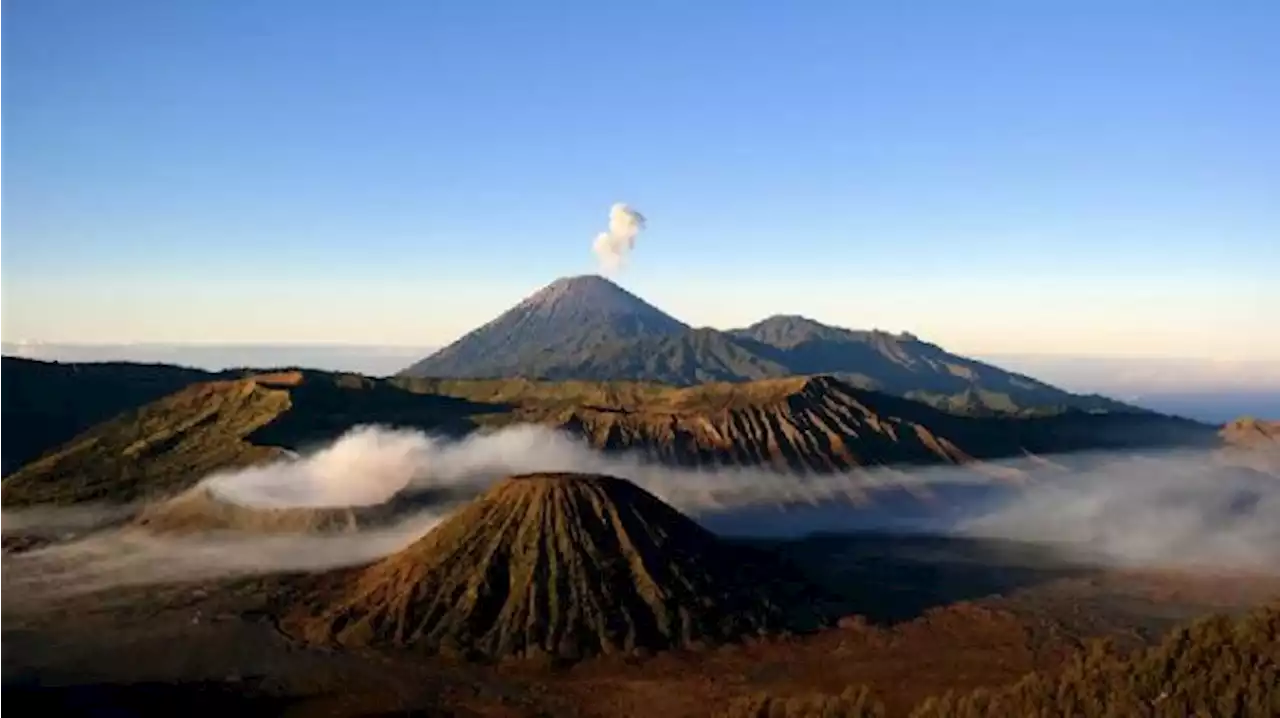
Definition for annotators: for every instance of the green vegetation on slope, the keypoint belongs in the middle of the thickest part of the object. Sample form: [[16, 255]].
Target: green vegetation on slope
[[852, 703], [1217, 667]]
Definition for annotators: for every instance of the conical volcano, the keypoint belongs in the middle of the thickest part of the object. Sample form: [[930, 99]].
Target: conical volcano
[[569, 317], [559, 565]]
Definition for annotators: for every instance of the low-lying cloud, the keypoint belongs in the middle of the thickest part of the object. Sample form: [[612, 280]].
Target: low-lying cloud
[[1172, 510], [1180, 509], [133, 557], [57, 521], [369, 465], [366, 466]]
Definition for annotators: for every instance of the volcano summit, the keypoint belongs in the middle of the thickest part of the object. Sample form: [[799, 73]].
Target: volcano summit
[[569, 316], [560, 565]]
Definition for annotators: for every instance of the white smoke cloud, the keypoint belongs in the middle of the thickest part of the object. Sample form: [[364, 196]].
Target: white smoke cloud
[[612, 247], [1174, 510], [132, 557], [371, 464], [1179, 509], [366, 466], [56, 521]]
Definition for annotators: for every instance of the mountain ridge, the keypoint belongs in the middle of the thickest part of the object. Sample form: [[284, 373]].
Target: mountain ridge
[[586, 327], [807, 424]]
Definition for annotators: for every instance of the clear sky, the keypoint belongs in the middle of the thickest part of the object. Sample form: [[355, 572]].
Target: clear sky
[[1084, 177]]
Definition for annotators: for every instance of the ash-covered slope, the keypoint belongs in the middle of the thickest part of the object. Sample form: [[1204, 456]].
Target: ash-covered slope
[[690, 357], [559, 565], [563, 322]]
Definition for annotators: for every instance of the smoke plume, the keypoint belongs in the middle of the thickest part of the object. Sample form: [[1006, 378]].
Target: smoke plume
[[612, 247]]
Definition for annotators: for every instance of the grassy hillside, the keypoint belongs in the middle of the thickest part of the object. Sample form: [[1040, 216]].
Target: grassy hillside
[[1217, 666]]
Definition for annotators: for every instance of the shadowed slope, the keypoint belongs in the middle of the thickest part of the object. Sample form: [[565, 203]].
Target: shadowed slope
[[165, 447], [47, 403], [557, 564], [161, 447]]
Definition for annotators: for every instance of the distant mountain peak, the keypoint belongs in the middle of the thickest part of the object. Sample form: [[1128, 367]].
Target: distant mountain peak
[[569, 315], [786, 330], [586, 294], [787, 319], [576, 284], [793, 329], [578, 281]]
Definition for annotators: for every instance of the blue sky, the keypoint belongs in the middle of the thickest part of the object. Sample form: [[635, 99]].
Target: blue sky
[[1089, 177]]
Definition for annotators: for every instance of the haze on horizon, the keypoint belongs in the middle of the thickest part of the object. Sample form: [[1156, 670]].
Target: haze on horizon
[[1000, 179]]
